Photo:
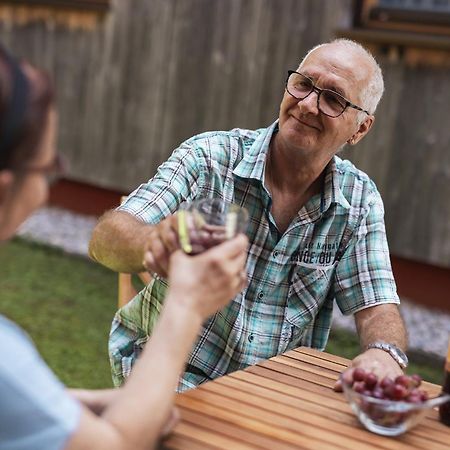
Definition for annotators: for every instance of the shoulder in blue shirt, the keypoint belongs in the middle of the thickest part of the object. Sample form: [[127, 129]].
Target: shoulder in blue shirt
[[36, 411]]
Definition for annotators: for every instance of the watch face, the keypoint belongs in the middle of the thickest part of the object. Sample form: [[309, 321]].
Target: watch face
[[400, 354], [402, 359]]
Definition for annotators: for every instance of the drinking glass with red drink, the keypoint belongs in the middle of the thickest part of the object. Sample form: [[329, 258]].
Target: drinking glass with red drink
[[208, 222]]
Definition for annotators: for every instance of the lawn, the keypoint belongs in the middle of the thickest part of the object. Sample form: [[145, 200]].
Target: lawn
[[66, 304]]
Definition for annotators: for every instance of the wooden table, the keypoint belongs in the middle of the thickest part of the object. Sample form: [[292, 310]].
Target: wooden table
[[284, 403]]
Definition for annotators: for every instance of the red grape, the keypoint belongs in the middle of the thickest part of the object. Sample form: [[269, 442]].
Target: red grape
[[417, 380], [403, 388], [386, 381], [371, 380], [404, 380], [359, 374], [359, 386], [378, 392], [399, 392]]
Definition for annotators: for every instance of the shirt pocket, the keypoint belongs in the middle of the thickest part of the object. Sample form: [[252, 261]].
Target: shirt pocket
[[308, 290]]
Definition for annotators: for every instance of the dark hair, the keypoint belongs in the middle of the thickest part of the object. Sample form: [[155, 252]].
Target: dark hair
[[25, 102]]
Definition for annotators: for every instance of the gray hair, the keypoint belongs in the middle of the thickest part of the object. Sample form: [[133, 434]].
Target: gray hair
[[370, 97]]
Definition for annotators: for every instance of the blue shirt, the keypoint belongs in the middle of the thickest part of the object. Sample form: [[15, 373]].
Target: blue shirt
[[36, 412]]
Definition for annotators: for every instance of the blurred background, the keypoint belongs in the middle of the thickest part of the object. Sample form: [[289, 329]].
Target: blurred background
[[135, 78]]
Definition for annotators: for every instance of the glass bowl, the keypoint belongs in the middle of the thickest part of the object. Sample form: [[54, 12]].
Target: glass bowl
[[388, 417]]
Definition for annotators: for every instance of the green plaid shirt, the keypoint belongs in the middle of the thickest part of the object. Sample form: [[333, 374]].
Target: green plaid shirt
[[334, 249]]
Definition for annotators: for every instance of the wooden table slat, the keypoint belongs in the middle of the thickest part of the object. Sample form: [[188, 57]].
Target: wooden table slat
[[286, 369], [321, 355], [309, 383], [181, 442], [274, 428], [238, 432], [288, 402], [321, 416], [319, 362], [214, 439], [306, 367], [252, 382]]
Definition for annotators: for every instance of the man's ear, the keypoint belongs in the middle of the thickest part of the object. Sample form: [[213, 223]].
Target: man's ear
[[362, 130], [6, 181]]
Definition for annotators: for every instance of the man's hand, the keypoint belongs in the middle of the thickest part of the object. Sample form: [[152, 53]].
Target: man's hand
[[162, 242], [373, 360], [378, 323]]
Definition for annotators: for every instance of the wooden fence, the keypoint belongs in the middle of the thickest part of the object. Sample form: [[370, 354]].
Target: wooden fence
[[138, 81]]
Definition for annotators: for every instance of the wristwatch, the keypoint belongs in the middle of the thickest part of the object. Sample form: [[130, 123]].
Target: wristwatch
[[398, 355]]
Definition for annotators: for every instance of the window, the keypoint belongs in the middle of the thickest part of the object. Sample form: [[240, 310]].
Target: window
[[87, 5], [73, 14], [418, 16]]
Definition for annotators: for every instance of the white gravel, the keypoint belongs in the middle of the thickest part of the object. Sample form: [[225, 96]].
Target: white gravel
[[428, 329], [60, 228]]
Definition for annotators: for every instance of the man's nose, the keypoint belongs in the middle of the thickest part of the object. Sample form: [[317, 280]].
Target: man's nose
[[310, 103]]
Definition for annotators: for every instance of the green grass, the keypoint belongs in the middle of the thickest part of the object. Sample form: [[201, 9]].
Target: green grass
[[66, 304]]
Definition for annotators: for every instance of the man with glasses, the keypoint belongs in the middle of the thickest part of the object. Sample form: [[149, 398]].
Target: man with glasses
[[316, 228]]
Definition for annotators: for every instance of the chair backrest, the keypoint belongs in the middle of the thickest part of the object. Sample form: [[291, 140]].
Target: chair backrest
[[126, 289]]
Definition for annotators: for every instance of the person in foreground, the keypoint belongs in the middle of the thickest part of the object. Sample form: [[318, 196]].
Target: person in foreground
[[316, 232], [36, 411]]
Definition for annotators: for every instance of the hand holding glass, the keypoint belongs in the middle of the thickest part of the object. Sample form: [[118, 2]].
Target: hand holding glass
[[208, 222]]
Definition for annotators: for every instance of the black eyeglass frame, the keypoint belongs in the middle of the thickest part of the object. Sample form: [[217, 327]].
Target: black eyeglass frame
[[319, 91]]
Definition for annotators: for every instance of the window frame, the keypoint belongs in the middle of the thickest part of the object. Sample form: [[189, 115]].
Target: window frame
[[369, 14], [84, 5]]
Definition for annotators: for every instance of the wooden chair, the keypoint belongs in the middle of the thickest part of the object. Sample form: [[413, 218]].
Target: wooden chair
[[126, 289]]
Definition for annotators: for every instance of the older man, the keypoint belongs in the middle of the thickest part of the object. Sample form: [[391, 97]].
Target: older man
[[316, 230]]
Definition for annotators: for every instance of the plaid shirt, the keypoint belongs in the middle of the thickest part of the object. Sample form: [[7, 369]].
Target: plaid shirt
[[334, 249]]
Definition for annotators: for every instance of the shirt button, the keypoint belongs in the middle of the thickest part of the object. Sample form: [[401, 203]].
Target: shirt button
[[261, 295], [276, 253], [250, 338]]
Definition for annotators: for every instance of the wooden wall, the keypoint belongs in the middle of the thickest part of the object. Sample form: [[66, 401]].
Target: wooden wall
[[408, 155], [152, 73]]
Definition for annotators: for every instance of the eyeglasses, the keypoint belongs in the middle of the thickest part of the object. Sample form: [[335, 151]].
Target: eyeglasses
[[52, 171], [329, 102]]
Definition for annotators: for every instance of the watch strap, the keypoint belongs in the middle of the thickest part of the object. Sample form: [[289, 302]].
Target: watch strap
[[398, 355]]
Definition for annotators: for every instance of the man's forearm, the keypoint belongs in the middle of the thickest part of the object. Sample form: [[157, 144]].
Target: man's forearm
[[118, 242], [381, 323]]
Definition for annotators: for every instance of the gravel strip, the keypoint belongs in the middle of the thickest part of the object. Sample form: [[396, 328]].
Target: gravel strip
[[428, 329], [60, 228]]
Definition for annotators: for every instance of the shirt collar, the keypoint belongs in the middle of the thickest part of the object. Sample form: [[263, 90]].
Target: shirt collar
[[253, 164], [332, 192], [254, 160]]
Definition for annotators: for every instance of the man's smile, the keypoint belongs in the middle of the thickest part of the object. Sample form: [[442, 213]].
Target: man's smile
[[305, 122]]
